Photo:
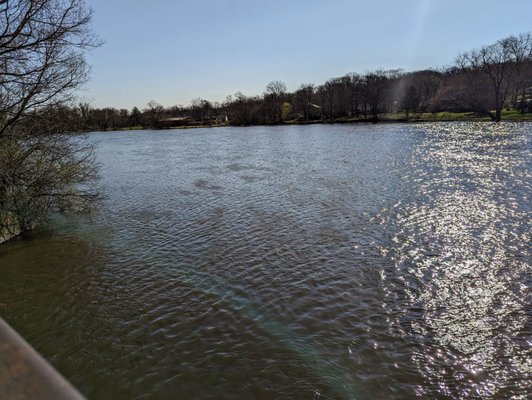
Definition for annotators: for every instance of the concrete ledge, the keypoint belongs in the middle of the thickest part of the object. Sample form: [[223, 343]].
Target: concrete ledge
[[24, 374]]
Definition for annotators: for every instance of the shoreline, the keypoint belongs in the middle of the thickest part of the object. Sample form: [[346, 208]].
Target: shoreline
[[441, 117]]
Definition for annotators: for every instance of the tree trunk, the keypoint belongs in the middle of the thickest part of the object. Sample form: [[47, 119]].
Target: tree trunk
[[498, 112]]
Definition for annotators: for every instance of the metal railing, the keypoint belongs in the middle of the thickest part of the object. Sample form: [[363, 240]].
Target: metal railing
[[25, 375]]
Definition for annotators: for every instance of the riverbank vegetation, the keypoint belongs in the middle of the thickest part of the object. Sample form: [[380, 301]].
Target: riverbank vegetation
[[42, 47], [491, 83]]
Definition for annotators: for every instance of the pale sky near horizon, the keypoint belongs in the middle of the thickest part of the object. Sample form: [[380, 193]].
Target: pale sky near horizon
[[174, 51]]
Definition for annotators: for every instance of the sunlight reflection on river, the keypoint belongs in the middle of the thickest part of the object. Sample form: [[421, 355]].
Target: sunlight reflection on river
[[463, 261]]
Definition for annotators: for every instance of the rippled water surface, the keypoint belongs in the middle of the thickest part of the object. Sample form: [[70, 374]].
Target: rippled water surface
[[325, 262]]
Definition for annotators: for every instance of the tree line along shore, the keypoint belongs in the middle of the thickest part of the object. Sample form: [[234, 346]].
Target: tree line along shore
[[492, 83]]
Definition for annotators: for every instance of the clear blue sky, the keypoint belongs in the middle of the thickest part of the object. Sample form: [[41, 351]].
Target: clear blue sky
[[174, 51]]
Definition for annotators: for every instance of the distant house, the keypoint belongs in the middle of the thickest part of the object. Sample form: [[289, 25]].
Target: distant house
[[174, 121], [315, 111], [221, 118]]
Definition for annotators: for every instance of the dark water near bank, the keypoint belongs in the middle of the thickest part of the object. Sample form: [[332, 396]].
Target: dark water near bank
[[325, 262]]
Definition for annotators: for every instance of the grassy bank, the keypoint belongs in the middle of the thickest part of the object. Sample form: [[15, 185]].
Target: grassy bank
[[507, 115]]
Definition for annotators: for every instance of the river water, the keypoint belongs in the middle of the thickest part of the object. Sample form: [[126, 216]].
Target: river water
[[303, 262]]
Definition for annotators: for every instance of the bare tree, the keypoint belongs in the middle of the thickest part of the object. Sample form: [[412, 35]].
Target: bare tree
[[273, 99], [374, 86], [153, 113], [303, 99], [356, 83], [500, 64], [42, 46], [243, 110], [327, 95], [200, 109]]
